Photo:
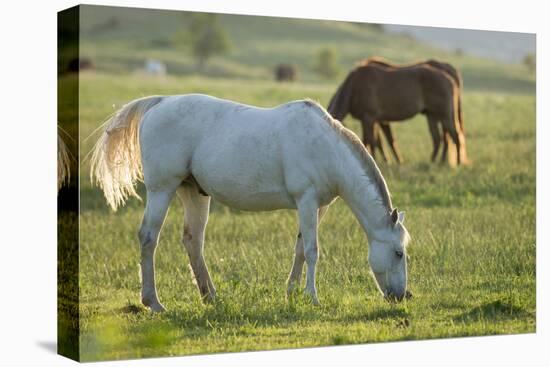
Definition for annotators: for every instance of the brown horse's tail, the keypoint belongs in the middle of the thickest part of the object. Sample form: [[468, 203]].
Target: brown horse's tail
[[459, 122], [340, 103], [460, 114], [459, 83]]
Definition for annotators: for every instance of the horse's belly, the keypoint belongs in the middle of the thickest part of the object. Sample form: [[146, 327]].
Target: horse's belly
[[245, 195], [254, 201], [403, 112], [249, 181]]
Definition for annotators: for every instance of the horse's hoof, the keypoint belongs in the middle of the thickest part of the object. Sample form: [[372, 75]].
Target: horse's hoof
[[291, 289], [157, 308], [312, 297], [153, 305], [209, 299]]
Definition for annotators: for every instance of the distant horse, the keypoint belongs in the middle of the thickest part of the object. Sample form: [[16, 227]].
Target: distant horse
[[63, 163], [385, 125], [375, 93], [294, 156], [286, 73], [155, 67]]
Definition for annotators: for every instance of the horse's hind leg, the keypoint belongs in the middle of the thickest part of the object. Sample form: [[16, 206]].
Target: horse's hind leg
[[155, 212], [454, 131], [196, 207], [446, 137], [457, 140], [436, 136], [378, 141], [299, 258], [386, 128]]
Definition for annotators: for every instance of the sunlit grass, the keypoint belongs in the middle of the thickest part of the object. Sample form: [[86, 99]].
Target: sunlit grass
[[471, 266]]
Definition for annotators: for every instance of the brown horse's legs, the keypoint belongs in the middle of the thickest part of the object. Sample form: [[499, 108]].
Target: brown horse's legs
[[369, 139], [457, 140], [386, 128], [378, 141], [436, 136], [446, 138]]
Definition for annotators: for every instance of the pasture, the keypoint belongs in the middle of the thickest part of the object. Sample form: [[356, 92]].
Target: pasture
[[472, 256]]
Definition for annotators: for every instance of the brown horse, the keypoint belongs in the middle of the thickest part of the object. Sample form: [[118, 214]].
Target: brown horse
[[385, 126], [376, 93]]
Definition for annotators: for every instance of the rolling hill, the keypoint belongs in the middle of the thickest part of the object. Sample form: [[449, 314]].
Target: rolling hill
[[120, 39]]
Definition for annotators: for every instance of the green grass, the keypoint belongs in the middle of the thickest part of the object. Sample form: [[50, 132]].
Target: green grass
[[472, 258]]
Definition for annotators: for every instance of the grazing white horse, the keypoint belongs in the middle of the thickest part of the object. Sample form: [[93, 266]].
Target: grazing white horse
[[294, 156]]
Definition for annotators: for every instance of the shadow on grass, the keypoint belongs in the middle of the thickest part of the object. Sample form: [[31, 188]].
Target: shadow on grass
[[133, 309], [495, 310], [152, 334], [243, 320]]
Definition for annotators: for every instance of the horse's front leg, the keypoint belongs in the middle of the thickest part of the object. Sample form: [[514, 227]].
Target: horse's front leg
[[299, 257], [308, 216], [386, 129], [155, 212], [369, 137], [377, 143], [296, 272]]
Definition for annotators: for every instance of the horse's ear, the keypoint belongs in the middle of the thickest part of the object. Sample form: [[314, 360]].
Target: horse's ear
[[401, 217], [394, 216]]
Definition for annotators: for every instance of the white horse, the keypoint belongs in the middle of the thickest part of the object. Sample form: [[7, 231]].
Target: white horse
[[294, 156]]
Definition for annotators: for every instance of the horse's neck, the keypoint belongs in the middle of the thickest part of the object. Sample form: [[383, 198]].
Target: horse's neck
[[364, 199], [338, 106]]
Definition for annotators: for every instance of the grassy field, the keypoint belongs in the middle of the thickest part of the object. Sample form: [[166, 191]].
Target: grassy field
[[472, 259], [472, 256]]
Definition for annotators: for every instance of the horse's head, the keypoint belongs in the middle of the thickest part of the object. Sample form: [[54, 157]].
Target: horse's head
[[388, 258]]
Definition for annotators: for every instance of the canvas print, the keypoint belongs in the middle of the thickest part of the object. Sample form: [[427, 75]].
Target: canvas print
[[232, 183]]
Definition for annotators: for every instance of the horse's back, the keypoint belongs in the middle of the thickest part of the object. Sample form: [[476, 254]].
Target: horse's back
[[447, 68], [244, 156], [387, 93], [399, 93]]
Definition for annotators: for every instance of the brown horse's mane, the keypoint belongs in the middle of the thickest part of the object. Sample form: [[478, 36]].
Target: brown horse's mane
[[439, 65], [385, 62], [358, 149]]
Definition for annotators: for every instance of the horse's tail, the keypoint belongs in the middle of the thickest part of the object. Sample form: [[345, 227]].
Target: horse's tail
[[63, 163], [460, 113], [339, 104], [116, 160], [458, 122], [455, 74]]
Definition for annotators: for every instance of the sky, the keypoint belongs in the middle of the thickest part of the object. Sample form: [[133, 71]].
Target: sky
[[503, 46]]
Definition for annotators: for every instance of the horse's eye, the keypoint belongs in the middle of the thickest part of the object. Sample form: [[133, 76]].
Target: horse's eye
[[399, 254]]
